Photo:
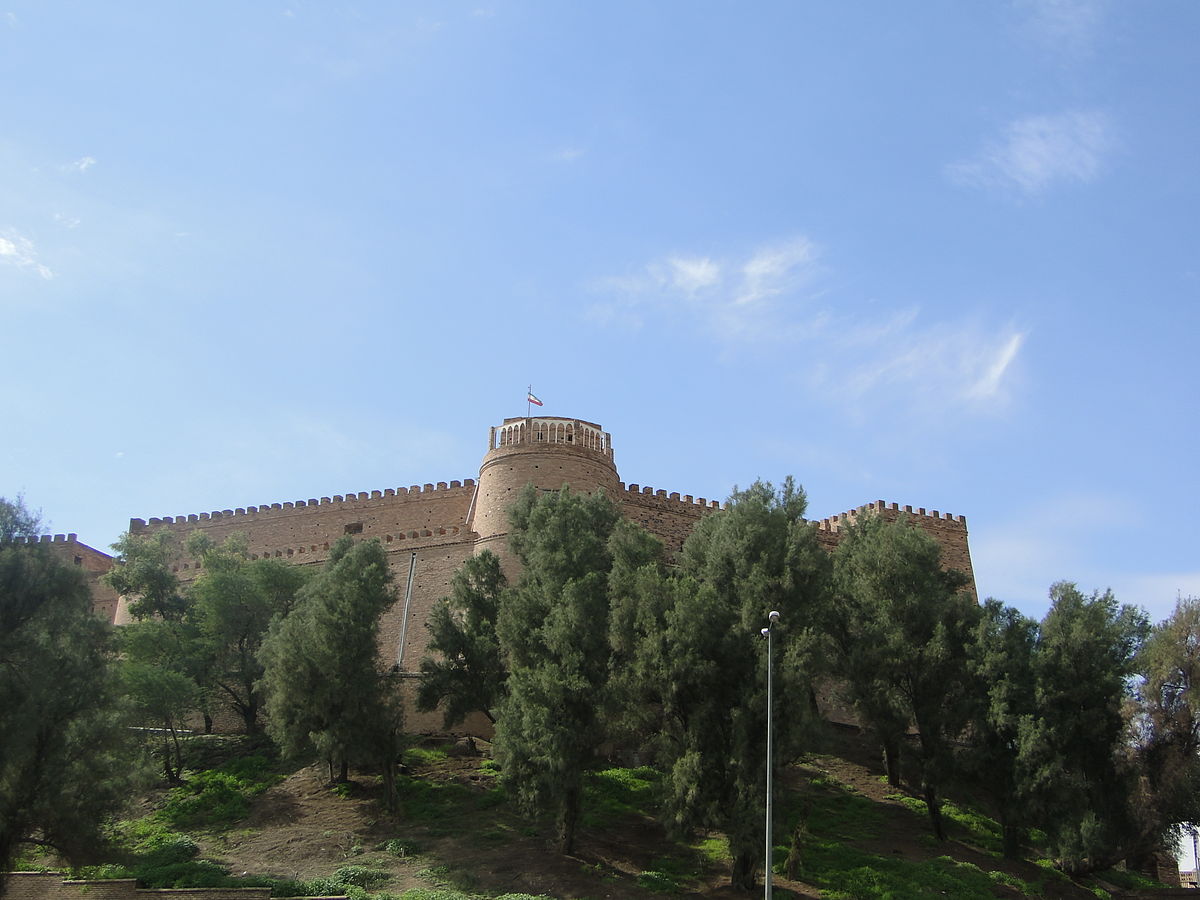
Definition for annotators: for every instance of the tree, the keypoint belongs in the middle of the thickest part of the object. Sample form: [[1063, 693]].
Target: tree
[[325, 688], [65, 761], [902, 635], [1075, 775], [553, 630], [143, 573], [165, 697], [468, 673], [1001, 662], [233, 602], [701, 660], [163, 646], [1166, 733]]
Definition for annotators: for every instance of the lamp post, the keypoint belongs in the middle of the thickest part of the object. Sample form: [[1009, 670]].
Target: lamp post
[[766, 632]]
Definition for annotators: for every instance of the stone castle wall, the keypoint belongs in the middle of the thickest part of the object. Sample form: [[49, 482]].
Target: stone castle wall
[[92, 562], [57, 886]]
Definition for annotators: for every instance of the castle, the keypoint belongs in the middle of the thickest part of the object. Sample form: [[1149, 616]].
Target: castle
[[429, 530]]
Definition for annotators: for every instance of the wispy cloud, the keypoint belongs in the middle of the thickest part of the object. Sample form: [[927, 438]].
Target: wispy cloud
[[567, 154], [731, 297], [1064, 26], [18, 251], [771, 298], [1039, 152], [80, 165]]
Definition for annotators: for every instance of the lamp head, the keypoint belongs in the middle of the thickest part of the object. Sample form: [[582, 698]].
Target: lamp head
[[774, 616], [766, 632]]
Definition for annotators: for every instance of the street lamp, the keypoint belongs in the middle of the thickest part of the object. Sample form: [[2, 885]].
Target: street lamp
[[766, 632]]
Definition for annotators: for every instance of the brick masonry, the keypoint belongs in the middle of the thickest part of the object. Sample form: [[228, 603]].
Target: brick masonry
[[57, 886]]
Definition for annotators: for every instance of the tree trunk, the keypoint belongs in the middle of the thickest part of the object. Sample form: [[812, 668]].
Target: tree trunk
[[568, 819], [891, 760], [935, 810], [344, 772], [208, 723], [1013, 836], [744, 871], [329, 763]]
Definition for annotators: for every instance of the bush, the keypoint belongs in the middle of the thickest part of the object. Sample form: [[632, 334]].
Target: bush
[[362, 876]]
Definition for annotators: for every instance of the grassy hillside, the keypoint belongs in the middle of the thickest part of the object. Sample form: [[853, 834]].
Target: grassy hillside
[[841, 833]]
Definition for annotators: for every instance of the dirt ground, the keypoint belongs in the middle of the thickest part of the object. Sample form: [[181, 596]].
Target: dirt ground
[[302, 829]]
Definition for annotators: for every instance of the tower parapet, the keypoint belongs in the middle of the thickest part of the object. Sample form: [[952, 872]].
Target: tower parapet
[[547, 452]]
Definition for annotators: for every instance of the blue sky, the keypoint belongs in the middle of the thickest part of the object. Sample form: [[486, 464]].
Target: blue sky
[[942, 254]]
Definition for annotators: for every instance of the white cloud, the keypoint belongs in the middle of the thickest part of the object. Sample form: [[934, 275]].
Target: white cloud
[[731, 298], [1069, 26], [567, 154], [695, 274], [774, 270], [67, 221], [18, 251], [80, 165], [1039, 152], [857, 357], [992, 377]]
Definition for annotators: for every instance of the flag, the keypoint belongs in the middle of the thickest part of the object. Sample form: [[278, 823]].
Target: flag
[[534, 400]]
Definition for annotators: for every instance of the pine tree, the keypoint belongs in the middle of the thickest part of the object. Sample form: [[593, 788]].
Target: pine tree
[[66, 763], [1075, 775], [904, 626], [702, 662], [232, 603], [1001, 663], [326, 690], [553, 629], [467, 673]]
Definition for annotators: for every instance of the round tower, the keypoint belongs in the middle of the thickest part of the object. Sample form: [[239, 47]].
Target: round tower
[[546, 451]]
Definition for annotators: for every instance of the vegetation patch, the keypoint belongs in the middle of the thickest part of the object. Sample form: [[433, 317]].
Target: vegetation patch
[[613, 793]]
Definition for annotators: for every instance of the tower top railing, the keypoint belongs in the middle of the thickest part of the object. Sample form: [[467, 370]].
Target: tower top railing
[[534, 430]]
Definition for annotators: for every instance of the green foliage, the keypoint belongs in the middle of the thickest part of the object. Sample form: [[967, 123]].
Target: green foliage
[[65, 758], [466, 672], [615, 792], [219, 797], [423, 756], [553, 628], [1167, 729], [1073, 774], [362, 876], [1001, 661], [326, 689], [143, 574], [401, 849], [693, 640], [900, 638], [233, 602]]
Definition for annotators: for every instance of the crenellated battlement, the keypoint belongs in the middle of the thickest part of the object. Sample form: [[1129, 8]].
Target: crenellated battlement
[[645, 492], [415, 492], [893, 511], [315, 553], [71, 538], [551, 430]]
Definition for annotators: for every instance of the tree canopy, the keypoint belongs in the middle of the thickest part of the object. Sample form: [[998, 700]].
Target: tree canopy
[[326, 689], [553, 628], [65, 759], [466, 673]]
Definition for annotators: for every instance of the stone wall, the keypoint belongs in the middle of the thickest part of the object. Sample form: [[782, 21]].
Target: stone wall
[[57, 886]]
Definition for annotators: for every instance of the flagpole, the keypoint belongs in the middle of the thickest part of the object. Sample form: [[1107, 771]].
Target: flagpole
[[528, 407]]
